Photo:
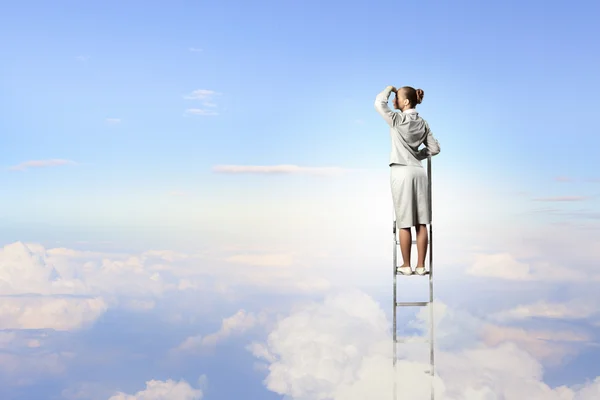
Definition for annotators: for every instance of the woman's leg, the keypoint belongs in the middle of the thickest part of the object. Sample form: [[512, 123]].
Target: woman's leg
[[421, 244], [405, 245]]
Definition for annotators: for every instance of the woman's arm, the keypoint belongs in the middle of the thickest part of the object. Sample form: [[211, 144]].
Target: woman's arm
[[381, 105], [432, 146]]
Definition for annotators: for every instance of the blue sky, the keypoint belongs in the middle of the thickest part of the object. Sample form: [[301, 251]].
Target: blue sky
[[503, 92], [117, 119]]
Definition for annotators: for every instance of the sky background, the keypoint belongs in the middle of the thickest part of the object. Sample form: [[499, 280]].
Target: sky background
[[196, 203]]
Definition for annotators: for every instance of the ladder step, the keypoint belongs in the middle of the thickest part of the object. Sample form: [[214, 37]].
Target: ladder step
[[413, 274], [412, 303], [412, 339], [398, 243]]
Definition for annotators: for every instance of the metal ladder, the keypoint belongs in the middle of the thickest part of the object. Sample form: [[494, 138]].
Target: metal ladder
[[416, 303]]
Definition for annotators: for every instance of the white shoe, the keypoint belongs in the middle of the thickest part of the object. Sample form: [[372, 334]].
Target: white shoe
[[406, 270], [420, 270]]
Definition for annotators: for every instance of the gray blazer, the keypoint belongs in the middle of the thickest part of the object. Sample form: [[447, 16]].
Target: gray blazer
[[408, 131]]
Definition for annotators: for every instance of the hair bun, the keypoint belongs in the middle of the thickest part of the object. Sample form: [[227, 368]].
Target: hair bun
[[420, 94]]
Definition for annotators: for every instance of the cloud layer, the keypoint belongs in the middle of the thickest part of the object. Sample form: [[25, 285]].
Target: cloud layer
[[163, 390], [341, 349], [279, 169], [206, 97], [40, 164]]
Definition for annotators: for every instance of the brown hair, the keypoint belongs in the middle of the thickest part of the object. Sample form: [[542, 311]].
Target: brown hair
[[414, 96]]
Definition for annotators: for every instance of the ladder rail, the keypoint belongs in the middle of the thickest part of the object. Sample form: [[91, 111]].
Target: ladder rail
[[431, 315], [395, 256], [430, 303]]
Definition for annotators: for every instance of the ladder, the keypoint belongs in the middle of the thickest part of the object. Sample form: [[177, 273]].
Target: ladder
[[419, 303]]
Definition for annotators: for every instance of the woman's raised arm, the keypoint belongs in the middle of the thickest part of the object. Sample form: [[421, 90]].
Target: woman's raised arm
[[381, 105]]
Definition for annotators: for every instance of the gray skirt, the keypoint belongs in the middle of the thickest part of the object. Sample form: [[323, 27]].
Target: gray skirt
[[410, 193]]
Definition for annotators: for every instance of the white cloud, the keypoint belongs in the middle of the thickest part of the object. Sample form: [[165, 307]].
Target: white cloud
[[163, 390], [113, 121], [279, 169], [200, 111], [265, 260], [194, 49], [59, 252], [499, 266], [191, 343], [505, 266], [23, 271], [237, 324], [41, 164], [49, 313], [27, 269], [65, 289], [589, 391], [283, 279], [206, 97], [168, 255], [549, 346], [561, 198], [201, 94], [574, 309], [136, 281], [551, 247], [321, 347], [340, 349], [235, 270]]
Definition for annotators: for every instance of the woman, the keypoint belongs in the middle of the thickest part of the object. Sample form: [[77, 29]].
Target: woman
[[408, 179]]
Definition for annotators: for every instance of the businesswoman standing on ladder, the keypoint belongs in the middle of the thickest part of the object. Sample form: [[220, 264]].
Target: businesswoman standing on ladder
[[409, 184]]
